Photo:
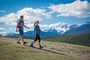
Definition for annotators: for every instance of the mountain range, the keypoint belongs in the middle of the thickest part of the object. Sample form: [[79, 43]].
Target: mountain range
[[61, 28], [84, 28]]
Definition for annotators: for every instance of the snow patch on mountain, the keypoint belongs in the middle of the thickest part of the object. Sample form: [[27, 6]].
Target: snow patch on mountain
[[87, 22], [9, 34], [62, 27]]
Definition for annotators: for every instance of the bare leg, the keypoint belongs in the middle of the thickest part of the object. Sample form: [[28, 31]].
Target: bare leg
[[39, 44], [33, 42], [22, 38], [19, 38]]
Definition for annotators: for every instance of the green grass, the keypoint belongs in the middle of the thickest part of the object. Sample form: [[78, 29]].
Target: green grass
[[9, 51]]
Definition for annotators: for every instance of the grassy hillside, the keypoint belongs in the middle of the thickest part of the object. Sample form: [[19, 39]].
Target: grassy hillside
[[9, 50]]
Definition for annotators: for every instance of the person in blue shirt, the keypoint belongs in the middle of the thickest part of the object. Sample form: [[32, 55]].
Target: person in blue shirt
[[37, 30]]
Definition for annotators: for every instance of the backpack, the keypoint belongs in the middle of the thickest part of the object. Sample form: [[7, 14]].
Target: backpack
[[19, 24]]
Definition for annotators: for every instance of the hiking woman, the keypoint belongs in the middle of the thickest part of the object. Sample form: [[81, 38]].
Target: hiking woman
[[37, 29], [20, 25]]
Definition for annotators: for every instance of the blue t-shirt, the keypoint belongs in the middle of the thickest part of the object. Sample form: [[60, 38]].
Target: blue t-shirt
[[37, 29]]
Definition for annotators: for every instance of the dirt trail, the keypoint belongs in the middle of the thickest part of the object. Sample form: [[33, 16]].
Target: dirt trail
[[56, 48]]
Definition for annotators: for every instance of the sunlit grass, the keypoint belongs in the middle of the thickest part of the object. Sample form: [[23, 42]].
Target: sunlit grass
[[9, 51]]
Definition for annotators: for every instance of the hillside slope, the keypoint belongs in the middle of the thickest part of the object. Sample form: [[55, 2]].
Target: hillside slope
[[9, 50], [82, 39]]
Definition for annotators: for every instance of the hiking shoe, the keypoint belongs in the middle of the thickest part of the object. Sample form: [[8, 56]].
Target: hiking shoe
[[41, 47], [24, 43], [18, 43], [31, 45]]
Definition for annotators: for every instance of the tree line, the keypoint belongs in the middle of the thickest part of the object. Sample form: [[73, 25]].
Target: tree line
[[82, 39]]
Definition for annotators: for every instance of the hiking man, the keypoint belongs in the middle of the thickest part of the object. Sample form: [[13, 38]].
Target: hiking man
[[20, 25]]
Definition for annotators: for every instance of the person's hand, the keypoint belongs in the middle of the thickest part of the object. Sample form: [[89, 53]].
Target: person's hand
[[16, 30], [43, 31], [28, 27], [33, 35]]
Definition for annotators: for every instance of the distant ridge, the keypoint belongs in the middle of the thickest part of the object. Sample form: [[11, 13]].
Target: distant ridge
[[84, 28], [61, 29]]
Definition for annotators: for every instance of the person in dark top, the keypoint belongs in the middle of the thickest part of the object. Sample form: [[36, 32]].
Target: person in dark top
[[20, 25], [37, 29]]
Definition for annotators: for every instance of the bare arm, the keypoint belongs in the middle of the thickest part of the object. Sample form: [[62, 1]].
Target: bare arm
[[16, 27], [33, 34], [33, 31], [26, 26], [41, 31]]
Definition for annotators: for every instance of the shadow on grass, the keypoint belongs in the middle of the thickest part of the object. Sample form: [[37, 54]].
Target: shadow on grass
[[47, 50]]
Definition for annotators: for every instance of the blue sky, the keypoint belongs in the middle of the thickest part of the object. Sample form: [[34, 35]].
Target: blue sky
[[46, 11]]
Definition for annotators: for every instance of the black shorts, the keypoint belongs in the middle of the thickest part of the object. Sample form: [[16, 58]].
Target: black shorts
[[37, 37]]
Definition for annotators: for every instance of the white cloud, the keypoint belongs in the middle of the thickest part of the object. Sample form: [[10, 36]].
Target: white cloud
[[17, 7], [2, 11], [26, 30], [30, 25], [30, 15], [10, 28], [8, 19], [2, 31], [80, 9], [43, 25], [13, 23]]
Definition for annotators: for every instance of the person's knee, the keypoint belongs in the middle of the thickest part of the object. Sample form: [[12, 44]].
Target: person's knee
[[39, 41], [35, 40], [21, 35]]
